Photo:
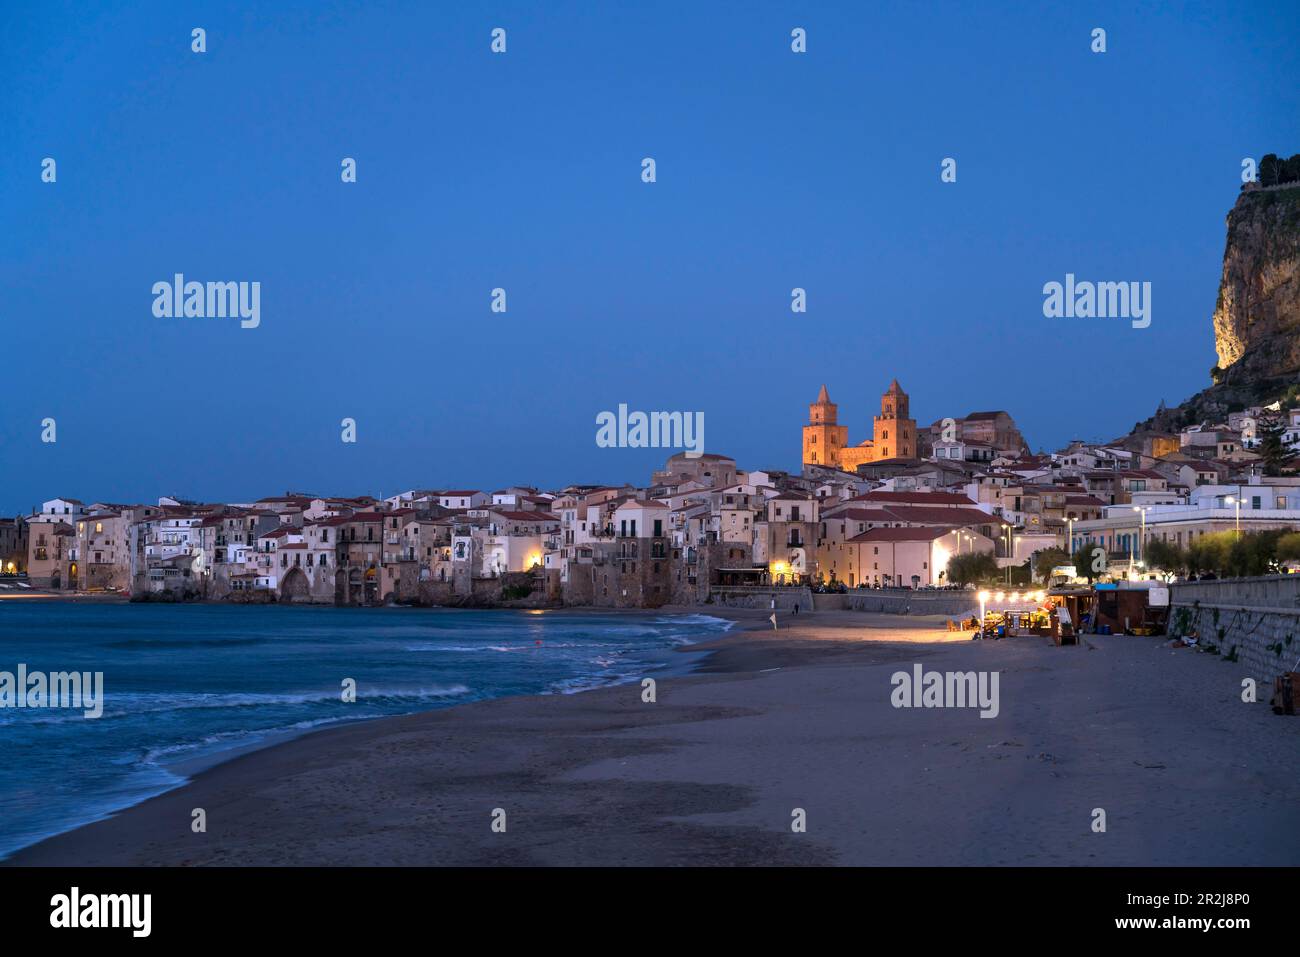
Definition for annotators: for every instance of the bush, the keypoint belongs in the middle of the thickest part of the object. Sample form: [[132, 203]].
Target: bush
[[1165, 556], [1045, 559], [1230, 555], [972, 568], [1288, 547]]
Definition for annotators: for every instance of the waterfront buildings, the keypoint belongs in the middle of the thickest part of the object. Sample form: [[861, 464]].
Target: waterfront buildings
[[889, 512]]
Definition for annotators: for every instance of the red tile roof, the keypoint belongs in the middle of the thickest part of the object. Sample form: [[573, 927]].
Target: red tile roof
[[863, 515], [916, 498], [902, 534], [938, 515]]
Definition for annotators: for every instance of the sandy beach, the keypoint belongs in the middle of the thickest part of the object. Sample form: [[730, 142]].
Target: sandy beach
[[771, 721]]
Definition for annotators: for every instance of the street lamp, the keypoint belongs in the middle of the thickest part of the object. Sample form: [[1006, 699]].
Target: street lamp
[[1142, 537], [1236, 499]]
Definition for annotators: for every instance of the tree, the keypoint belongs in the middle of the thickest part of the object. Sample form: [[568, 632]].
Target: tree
[[1164, 556], [1290, 171], [1270, 168], [1271, 448], [972, 568], [1045, 559], [1254, 553], [1288, 547], [1090, 560], [1209, 553]]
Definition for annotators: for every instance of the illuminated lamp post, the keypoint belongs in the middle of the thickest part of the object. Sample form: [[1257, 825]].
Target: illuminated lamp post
[[1236, 499]]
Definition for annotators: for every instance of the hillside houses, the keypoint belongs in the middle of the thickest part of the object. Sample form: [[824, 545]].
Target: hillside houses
[[889, 512]]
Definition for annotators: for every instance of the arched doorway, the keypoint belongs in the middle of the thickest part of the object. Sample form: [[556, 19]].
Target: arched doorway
[[295, 586]]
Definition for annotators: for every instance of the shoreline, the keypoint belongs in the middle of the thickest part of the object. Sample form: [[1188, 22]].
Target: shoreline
[[766, 723], [187, 770]]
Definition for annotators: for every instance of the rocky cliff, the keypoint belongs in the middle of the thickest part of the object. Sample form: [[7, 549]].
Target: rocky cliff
[[1257, 315]]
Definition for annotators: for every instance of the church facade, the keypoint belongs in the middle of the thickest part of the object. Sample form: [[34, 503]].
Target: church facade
[[826, 442]]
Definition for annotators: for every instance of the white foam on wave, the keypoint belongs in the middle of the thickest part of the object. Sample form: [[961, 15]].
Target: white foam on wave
[[166, 703]]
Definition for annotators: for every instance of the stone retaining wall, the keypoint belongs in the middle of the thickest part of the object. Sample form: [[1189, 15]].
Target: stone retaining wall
[[785, 597], [1253, 623], [955, 604]]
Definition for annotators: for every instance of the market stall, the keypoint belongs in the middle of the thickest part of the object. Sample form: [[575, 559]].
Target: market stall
[[1009, 614]]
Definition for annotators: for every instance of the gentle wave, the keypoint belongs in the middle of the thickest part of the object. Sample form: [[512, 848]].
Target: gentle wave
[[229, 740], [171, 643], [200, 701], [186, 686]]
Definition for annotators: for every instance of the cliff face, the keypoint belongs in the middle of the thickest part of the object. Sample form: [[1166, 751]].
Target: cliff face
[[1257, 316]]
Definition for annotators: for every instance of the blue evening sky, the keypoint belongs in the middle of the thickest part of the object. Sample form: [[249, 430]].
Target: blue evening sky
[[522, 170]]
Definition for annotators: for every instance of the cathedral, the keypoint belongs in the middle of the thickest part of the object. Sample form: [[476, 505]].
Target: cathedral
[[826, 442]]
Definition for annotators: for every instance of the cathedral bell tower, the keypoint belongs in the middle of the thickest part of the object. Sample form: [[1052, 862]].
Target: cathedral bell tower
[[894, 431], [823, 438]]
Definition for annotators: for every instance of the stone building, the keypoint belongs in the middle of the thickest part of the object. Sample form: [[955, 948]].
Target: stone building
[[103, 551], [49, 551], [13, 546], [785, 537], [823, 437], [707, 469], [826, 443], [994, 430]]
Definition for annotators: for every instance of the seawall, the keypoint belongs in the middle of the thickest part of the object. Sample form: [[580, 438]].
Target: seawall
[[1254, 623]]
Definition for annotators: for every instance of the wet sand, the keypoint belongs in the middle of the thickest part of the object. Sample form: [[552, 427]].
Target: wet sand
[[772, 721]]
